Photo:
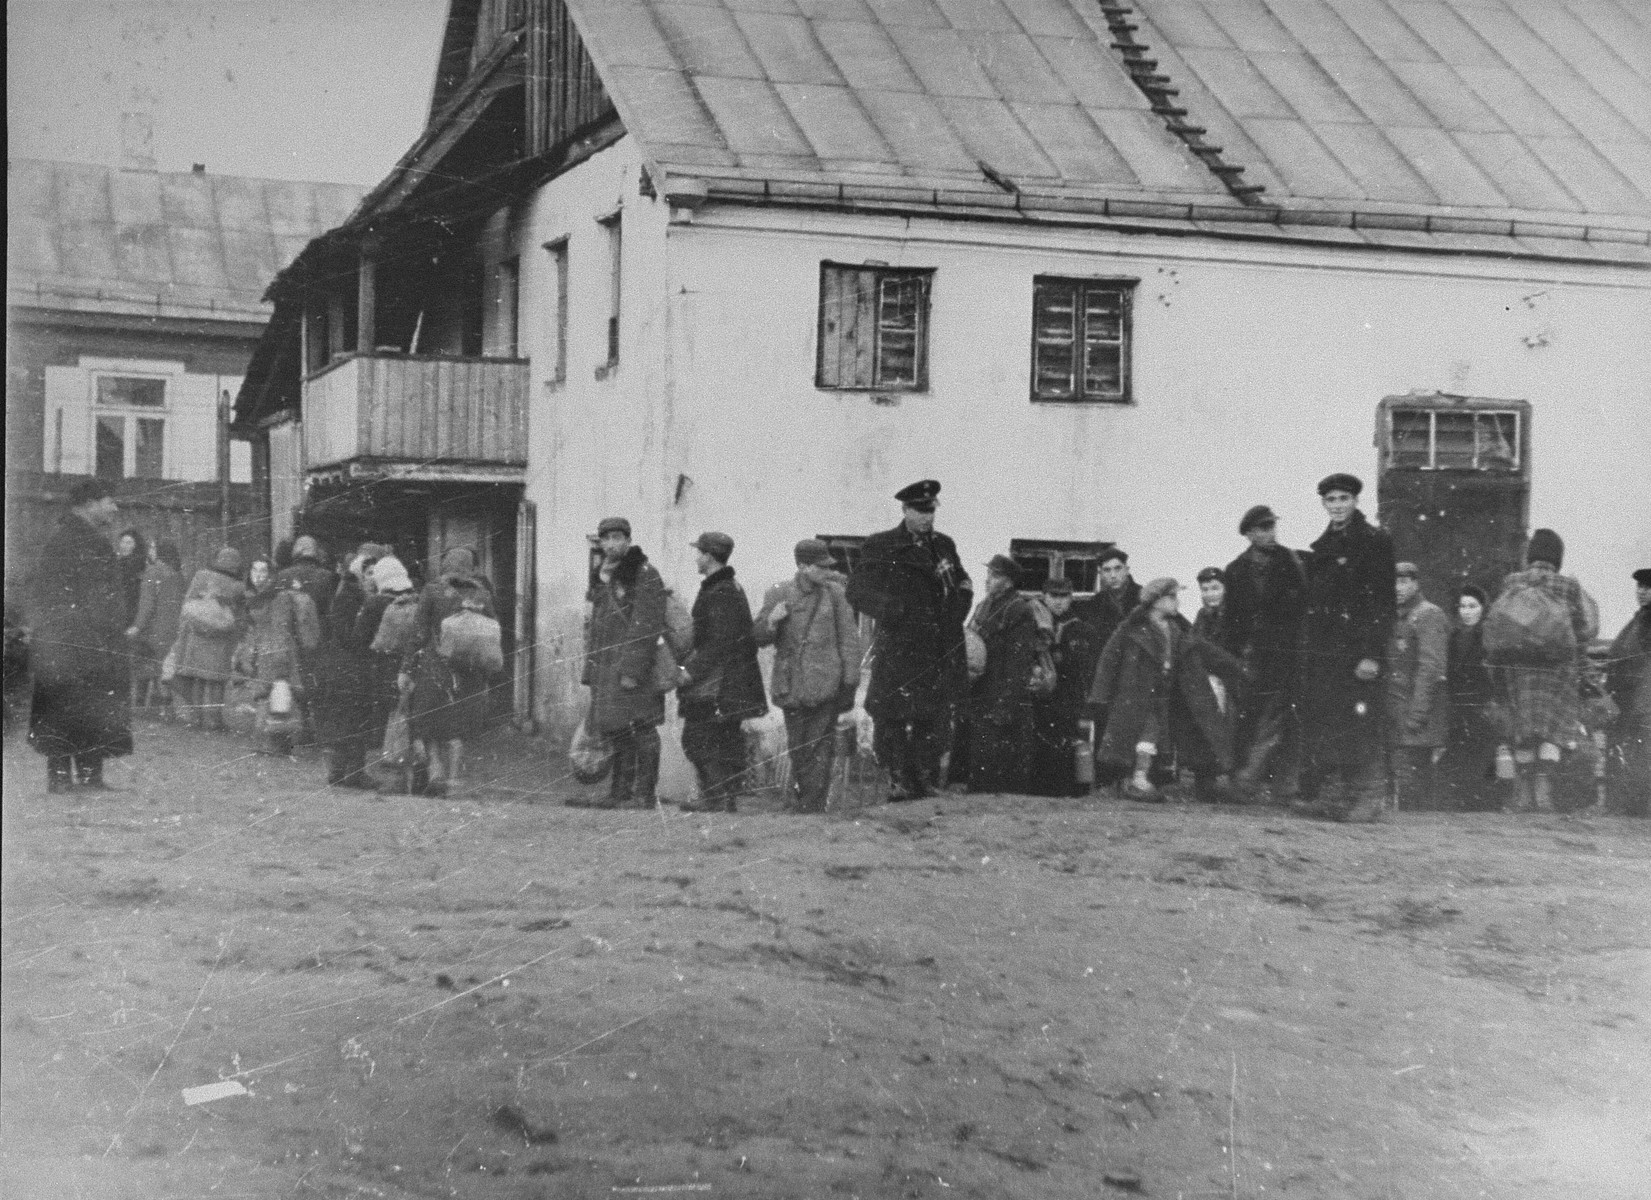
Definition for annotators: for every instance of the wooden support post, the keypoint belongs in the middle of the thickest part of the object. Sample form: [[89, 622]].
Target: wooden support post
[[537, 96], [366, 298]]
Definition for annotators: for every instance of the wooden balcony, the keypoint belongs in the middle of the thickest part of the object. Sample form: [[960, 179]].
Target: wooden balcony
[[418, 415]]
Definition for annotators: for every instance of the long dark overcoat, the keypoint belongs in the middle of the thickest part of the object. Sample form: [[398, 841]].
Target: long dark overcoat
[[723, 664], [1008, 626], [1350, 610], [919, 594], [1266, 601], [627, 617], [449, 703], [1128, 678], [343, 666], [79, 655]]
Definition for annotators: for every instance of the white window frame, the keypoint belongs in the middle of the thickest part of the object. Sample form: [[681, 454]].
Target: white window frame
[[1433, 438], [131, 413]]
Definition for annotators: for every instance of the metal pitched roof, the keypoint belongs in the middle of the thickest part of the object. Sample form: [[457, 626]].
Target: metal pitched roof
[[1504, 111], [148, 243]]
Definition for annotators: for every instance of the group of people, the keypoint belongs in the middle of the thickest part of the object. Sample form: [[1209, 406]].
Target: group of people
[[1320, 678], [300, 649]]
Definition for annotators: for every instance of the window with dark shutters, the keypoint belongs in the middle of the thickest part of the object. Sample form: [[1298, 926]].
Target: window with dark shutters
[[1080, 339], [874, 328]]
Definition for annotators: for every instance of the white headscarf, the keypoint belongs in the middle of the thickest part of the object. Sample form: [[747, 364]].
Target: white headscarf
[[390, 576]]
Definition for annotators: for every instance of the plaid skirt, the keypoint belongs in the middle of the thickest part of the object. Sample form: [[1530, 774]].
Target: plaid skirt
[[1542, 703]]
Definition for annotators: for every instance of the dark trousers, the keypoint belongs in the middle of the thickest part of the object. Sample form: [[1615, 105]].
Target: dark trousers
[[635, 765], [1358, 773], [1264, 739], [1415, 780], [716, 747], [910, 752], [1054, 761], [811, 744], [1000, 752]]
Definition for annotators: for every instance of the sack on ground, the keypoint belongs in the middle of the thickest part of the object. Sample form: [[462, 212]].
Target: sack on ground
[[395, 628], [1527, 627], [208, 615], [679, 627], [470, 640], [591, 756]]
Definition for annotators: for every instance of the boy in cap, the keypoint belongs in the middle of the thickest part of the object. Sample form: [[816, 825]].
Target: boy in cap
[[816, 639], [911, 582], [1266, 598], [1418, 704], [1350, 606], [1000, 744], [721, 684]]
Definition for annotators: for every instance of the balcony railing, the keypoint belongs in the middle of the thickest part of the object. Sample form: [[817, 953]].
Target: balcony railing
[[417, 408]]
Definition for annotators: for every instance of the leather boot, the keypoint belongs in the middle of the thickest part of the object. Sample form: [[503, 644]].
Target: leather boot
[[89, 773]]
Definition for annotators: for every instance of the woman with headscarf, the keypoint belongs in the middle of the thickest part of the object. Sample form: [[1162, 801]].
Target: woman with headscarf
[[1542, 699], [282, 626], [155, 627], [205, 647], [387, 586], [132, 554], [1467, 771], [451, 702]]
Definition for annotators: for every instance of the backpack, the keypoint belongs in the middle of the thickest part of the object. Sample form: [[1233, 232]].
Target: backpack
[[679, 627], [470, 640], [395, 627], [1527, 627]]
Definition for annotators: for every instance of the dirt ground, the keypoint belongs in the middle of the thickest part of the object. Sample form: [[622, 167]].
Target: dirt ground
[[495, 996]]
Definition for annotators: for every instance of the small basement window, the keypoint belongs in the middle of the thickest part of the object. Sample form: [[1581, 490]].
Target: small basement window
[[874, 328], [1081, 339], [1041, 560], [1431, 439]]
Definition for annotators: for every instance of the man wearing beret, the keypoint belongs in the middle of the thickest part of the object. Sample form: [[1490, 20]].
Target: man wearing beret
[[1000, 718], [1266, 599], [80, 658], [911, 582], [1351, 603], [721, 684]]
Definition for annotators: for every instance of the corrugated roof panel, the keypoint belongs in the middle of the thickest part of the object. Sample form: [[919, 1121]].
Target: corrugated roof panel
[[145, 251], [240, 202], [1153, 154], [979, 15], [921, 14], [1249, 23], [1317, 28], [249, 256], [187, 200], [1452, 38], [1306, 87], [752, 118], [1234, 81], [1612, 28], [993, 135], [135, 197], [1185, 24], [29, 188], [834, 124], [1307, 168], [1598, 185], [86, 250], [81, 193], [1447, 168], [1381, 171], [660, 106], [1094, 77], [1517, 173], [787, 49], [198, 258], [866, 56], [1513, 99], [706, 40], [1519, 46], [1634, 161], [334, 202], [944, 62], [30, 247], [1597, 61], [628, 36], [783, 7], [1074, 143], [836, 10], [1019, 71], [1448, 98], [1047, 18], [1373, 88], [1583, 108], [919, 132], [291, 207], [1386, 36]]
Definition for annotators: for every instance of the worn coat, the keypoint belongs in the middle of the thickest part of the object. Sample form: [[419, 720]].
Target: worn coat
[[77, 608], [448, 703], [917, 591], [1350, 607], [817, 648], [311, 578], [282, 625], [1543, 703], [208, 656], [1010, 629], [1077, 647], [1265, 603], [1212, 625], [723, 664], [1628, 674], [627, 617], [1418, 661], [1129, 680], [1106, 610], [159, 600], [343, 665]]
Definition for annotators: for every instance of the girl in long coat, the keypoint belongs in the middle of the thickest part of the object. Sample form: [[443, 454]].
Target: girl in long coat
[[155, 627], [282, 626], [1467, 770], [1154, 678], [205, 656], [342, 693], [1543, 702], [450, 704]]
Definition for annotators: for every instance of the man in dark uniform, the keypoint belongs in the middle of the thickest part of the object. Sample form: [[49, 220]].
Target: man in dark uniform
[[911, 582], [1351, 606], [77, 615], [1266, 598]]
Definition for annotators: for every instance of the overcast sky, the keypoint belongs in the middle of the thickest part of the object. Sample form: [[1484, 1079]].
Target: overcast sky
[[288, 89]]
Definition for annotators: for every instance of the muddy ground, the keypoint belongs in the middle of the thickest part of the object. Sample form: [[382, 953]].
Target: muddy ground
[[492, 995]]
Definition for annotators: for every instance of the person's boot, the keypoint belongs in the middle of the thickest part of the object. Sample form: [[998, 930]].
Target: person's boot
[[1542, 793], [645, 782], [1522, 801], [1140, 785], [59, 774], [1369, 808], [89, 773]]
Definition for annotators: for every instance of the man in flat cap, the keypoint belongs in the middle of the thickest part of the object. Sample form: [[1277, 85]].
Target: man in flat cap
[[1418, 701], [1628, 679], [627, 617], [80, 657], [721, 683], [1351, 600], [911, 582], [1265, 602], [1000, 701]]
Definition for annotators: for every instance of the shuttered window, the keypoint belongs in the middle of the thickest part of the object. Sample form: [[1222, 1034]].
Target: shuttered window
[[1080, 339], [874, 328], [1438, 439]]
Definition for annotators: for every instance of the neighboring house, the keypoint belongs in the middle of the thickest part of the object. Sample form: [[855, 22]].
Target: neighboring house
[[1112, 272], [133, 304]]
